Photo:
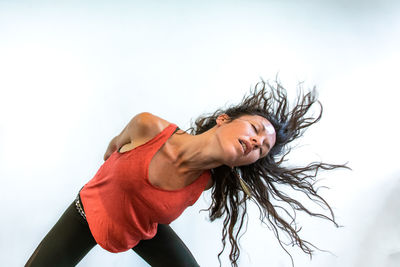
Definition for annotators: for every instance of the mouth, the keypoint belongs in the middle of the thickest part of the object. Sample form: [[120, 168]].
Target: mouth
[[245, 146]]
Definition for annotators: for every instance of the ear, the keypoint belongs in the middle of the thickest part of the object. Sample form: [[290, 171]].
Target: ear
[[223, 118]]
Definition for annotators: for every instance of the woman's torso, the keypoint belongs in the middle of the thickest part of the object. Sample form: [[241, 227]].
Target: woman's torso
[[161, 172], [135, 189]]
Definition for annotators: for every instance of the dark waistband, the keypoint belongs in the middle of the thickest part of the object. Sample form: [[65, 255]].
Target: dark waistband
[[79, 205]]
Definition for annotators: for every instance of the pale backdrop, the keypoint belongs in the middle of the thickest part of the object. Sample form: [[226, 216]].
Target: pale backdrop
[[73, 73]]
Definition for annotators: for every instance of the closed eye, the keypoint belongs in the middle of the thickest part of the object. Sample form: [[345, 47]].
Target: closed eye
[[254, 127]]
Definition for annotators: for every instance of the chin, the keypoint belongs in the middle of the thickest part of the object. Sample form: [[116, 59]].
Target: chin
[[241, 164], [245, 163]]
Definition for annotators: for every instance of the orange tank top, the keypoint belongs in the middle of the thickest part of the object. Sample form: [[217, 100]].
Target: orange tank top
[[122, 207]]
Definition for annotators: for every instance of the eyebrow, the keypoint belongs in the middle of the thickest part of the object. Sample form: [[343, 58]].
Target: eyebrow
[[263, 127]]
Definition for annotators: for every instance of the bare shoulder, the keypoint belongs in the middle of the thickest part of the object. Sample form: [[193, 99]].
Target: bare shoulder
[[146, 125]]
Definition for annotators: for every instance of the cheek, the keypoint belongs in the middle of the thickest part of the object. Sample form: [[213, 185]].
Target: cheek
[[229, 150]]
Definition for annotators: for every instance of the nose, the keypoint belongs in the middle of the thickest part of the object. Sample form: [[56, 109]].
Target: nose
[[256, 141]]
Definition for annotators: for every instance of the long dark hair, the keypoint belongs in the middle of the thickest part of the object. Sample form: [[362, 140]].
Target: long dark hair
[[261, 180]]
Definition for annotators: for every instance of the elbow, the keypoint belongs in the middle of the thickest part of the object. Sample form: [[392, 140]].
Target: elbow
[[141, 123]]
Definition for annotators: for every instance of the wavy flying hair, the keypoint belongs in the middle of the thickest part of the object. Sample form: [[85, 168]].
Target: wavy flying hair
[[260, 180]]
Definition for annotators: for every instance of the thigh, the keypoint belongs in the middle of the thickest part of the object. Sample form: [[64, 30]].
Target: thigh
[[165, 249], [67, 242]]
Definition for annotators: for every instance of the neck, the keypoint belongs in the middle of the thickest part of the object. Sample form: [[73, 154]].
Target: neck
[[193, 153]]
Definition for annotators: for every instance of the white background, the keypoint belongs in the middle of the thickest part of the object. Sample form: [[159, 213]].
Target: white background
[[73, 73]]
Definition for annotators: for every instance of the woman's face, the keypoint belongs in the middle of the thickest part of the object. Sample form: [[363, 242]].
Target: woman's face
[[244, 140]]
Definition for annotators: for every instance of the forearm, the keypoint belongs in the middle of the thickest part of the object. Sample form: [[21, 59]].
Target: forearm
[[111, 148], [117, 142], [125, 136]]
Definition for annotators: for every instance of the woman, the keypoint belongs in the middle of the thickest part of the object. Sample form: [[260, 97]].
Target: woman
[[153, 171]]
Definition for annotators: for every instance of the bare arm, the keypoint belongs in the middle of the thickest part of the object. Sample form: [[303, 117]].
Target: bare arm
[[118, 141], [140, 127], [111, 148]]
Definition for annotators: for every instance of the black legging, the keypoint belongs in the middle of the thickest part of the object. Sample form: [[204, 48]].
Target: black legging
[[70, 240]]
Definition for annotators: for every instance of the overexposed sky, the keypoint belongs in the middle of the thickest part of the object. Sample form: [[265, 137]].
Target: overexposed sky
[[73, 73]]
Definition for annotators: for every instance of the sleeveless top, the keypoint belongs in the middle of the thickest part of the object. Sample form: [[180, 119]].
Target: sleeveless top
[[122, 207]]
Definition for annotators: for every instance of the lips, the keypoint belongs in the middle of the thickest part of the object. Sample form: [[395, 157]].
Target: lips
[[245, 146]]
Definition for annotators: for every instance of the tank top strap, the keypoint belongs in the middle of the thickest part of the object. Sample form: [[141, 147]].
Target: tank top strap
[[159, 140]]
